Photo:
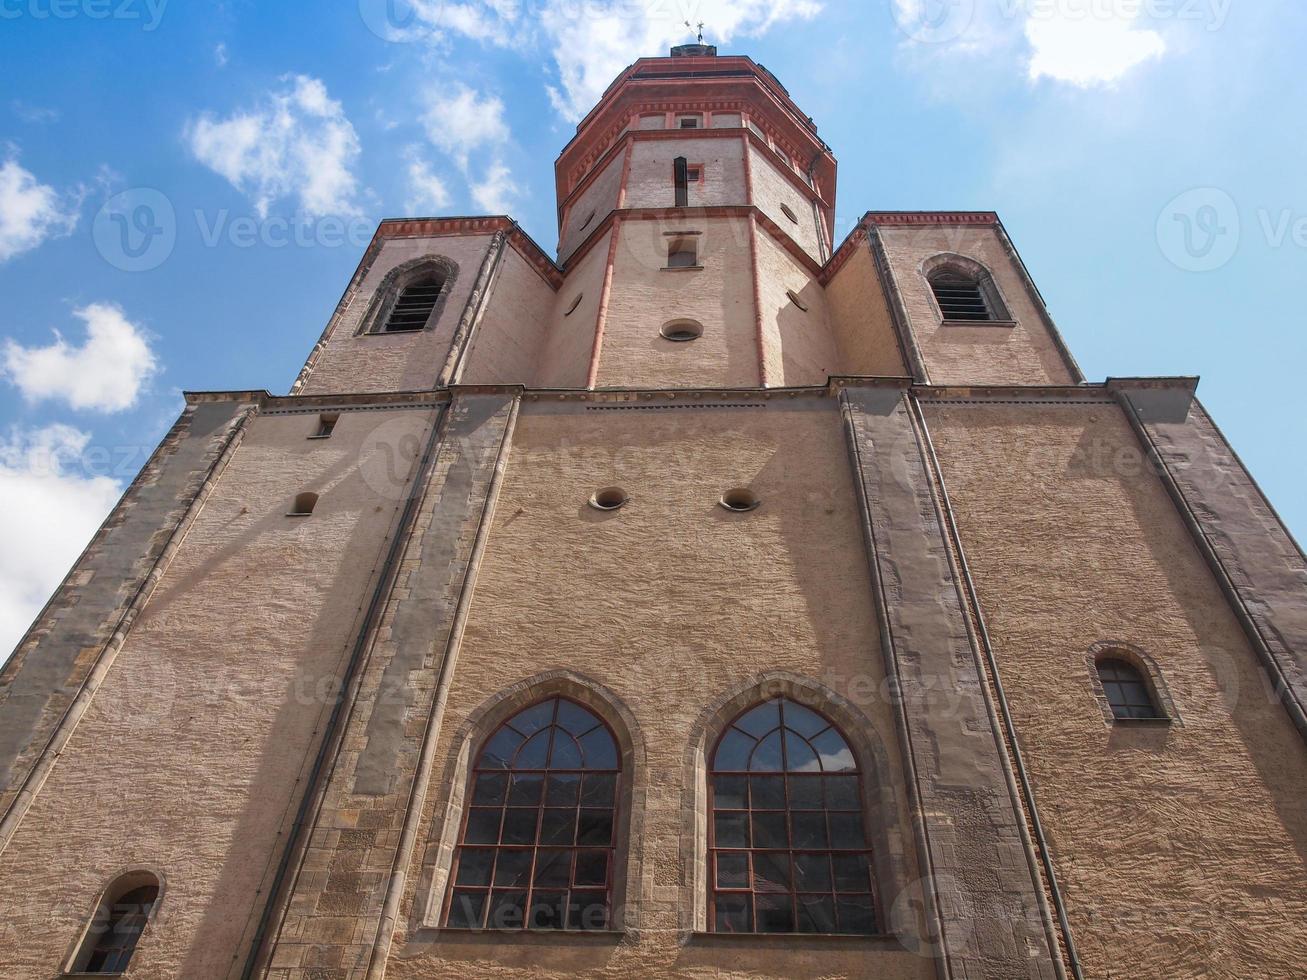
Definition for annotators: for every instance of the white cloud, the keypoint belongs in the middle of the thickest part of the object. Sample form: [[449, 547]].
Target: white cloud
[[297, 142], [37, 115], [48, 512], [427, 192], [458, 120], [30, 212], [1088, 42], [106, 373], [495, 193], [592, 42], [220, 55]]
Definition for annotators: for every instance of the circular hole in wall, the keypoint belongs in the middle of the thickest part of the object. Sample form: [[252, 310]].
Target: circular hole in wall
[[609, 498], [740, 500], [681, 331]]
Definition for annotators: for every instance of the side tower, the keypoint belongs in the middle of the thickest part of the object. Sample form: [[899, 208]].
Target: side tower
[[707, 599]]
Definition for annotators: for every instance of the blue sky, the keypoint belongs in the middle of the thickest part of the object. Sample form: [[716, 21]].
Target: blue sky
[[1145, 155]]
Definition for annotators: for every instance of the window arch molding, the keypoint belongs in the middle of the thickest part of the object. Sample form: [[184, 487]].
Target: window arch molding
[[119, 884], [397, 279], [945, 262], [1148, 669], [881, 801], [631, 787]]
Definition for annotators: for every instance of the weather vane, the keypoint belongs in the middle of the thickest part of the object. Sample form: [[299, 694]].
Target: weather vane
[[700, 29]]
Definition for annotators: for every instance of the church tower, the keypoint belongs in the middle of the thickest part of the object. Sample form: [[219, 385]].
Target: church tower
[[712, 597]]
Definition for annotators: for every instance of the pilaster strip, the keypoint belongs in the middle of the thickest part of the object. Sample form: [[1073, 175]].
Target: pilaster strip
[[473, 311], [991, 924], [344, 902], [99, 602], [759, 331], [1254, 558], [592, 376], [898, 312]]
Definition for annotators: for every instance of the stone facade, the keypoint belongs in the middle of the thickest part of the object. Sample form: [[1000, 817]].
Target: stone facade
[[275, 714]]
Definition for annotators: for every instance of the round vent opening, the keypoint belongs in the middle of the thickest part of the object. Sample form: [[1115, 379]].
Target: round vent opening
[[740, 500], [681, 331], [609, 498]]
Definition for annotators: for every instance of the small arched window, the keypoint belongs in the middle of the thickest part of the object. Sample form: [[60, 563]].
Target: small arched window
[[960, 296], [1126, 690], [414, 305], [539, 842], [787, 841], [124, 912]]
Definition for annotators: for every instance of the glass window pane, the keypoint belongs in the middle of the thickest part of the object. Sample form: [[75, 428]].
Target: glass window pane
[[553, 868], [513, 869], [809, 830], [483, 825], [842, 793], [498, 753], [834, 751], [489, 790], [731, 829], [852, 873], [816, 914], [771, 872], [595, 827], [846, 831], [563, 789], [466, 909], [734, 913], [566, 754], [804, 721], [733, 752], [732, 871], [775, 913], [812, 873], [474, 866], [535, 753], [507, 910], [591, 868], [761, 720], [767, 756], [856, 915], [767, 792], [588, 911], [520, 826], [558, 827], [548, 910], [600, 749], [534, 718], [769, 830], [574, 718], [805, 793], [525, 790], [598, 790], [799, 756], [729, 793]]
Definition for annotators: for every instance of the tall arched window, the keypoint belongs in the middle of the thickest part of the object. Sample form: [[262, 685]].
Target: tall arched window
[[539, 839], [787, 841], [414, 305], [116, 928], [1127, 691]]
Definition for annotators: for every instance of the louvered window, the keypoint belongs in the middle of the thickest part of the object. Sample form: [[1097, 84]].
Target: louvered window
[[960, 297], [413, 308]]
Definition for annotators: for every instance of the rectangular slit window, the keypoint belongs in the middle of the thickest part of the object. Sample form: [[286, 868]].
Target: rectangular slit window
[[682, 253], [681, 177], [326, 425], [689, 122]]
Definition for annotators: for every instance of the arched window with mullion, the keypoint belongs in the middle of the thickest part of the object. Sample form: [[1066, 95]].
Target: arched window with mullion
[[787, 840], [538, 845]]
